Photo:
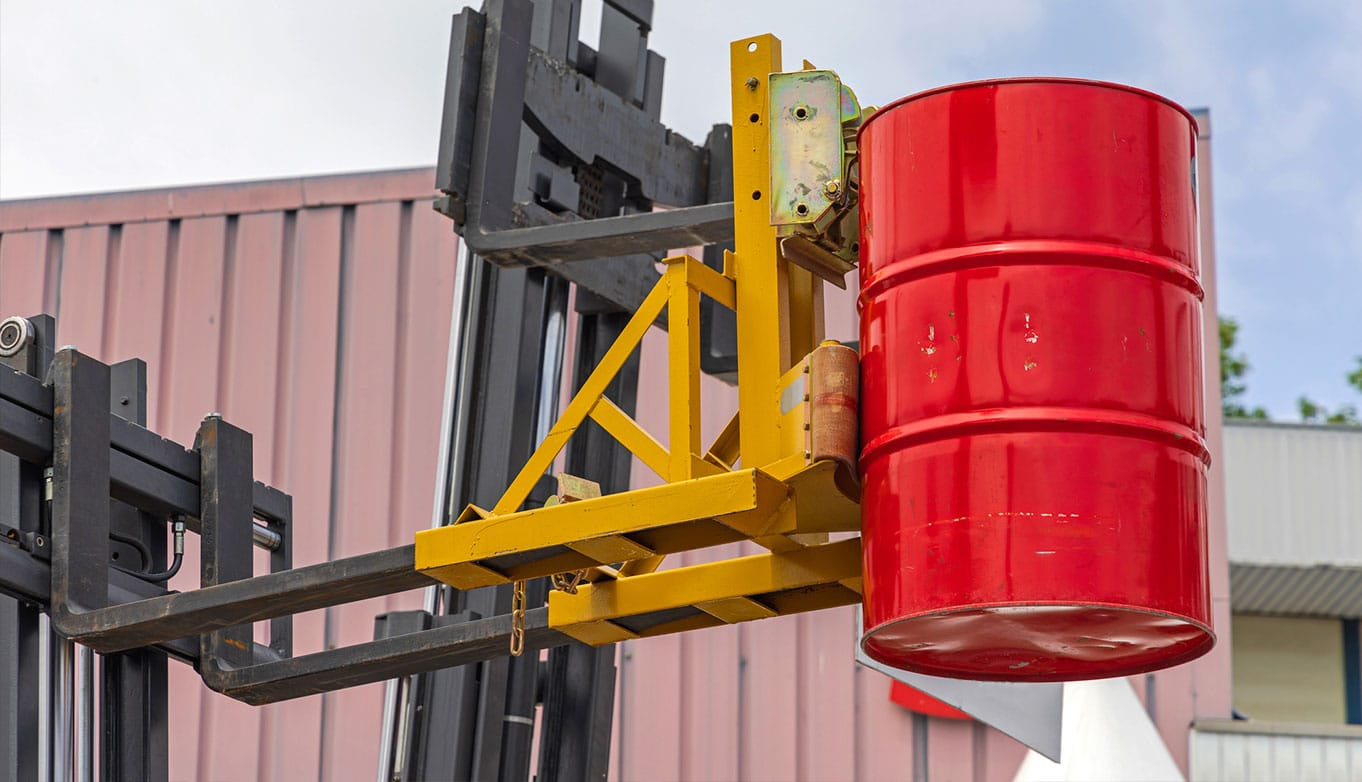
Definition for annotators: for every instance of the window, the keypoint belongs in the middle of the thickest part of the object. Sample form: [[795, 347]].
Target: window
[[1292, 669]]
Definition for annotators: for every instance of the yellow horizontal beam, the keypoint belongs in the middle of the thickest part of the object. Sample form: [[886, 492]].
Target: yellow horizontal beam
[[816, 507], [709, 282], [821, 504], [732, 610], [601, 633], [713, 587], [742, 503], [612, 548]]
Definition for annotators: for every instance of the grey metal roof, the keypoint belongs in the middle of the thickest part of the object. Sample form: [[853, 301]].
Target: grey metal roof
[[1301, 591]]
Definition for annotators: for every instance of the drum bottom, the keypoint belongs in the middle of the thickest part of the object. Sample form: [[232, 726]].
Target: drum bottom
[[1038, 643]]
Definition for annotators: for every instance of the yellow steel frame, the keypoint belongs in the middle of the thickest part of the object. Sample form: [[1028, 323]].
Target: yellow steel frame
[[777, 498], [805, 579]]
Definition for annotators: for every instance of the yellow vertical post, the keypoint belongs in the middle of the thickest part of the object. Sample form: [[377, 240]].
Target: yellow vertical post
[[760, 275], [683, 370], [806, 304]]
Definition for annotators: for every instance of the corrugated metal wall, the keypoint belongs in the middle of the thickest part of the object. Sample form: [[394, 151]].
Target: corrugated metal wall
[[1294, 494], [1248, 752], [313, 313]]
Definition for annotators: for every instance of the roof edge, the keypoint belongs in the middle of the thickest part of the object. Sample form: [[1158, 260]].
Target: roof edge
[[206, 200]]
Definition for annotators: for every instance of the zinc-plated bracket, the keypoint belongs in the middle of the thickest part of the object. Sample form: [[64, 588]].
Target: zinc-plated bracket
[[806, 145], [814, 179]]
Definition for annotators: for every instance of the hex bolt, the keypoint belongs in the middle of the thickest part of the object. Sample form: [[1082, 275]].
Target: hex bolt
[[752, 83]]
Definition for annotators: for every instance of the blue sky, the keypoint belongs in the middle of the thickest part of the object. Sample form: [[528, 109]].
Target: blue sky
[[104, 96]]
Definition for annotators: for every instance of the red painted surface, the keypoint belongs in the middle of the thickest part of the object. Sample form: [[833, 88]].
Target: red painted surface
[[1033, 419], [916, 700]]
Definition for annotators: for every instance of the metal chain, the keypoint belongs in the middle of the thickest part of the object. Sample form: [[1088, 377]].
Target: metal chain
[[518, 619], [565, 582]]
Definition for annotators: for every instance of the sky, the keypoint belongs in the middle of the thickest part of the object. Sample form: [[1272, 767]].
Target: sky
[[98, 96]]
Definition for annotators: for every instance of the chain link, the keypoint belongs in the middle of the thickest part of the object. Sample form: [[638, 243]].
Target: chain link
[[518, 619], [568, 582]]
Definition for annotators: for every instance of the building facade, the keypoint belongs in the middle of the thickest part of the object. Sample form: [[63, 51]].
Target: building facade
[[1295, 552]]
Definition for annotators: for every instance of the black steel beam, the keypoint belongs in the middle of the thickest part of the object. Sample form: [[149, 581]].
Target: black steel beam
[[579, 689], [589, 121], [500, 107], [455, 156], [615, 284], [225, 452], [388, 658], [133, 690], [26, 577], [80, 486], [135, 716], [19, 687], [719, 324], [20, 624], [584, 240], [147, 471], [156, 620]]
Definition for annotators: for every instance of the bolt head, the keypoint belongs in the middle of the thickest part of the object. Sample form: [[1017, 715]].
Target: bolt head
[[752, 83], [832, 187]]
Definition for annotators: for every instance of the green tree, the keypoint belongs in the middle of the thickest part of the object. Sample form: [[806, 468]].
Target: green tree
[[1233, 368], [1313, 413]]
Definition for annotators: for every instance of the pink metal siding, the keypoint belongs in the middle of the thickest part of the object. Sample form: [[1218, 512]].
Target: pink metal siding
[[313, 313]]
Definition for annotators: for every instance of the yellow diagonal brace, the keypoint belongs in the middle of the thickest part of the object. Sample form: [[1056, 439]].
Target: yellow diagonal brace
[[724, 450], [586, 398], [712, 584], [633, 437]]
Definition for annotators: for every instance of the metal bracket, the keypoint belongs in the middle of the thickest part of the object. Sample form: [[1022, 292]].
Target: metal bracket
[[814, 177], [806, 145]]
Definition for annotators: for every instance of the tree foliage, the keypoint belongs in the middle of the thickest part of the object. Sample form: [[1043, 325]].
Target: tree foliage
[[1233, 368], [1312, 413], [1315, 413]]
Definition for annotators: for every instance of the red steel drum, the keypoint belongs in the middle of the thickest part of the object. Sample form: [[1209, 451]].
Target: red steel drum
[[1034, 459]]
